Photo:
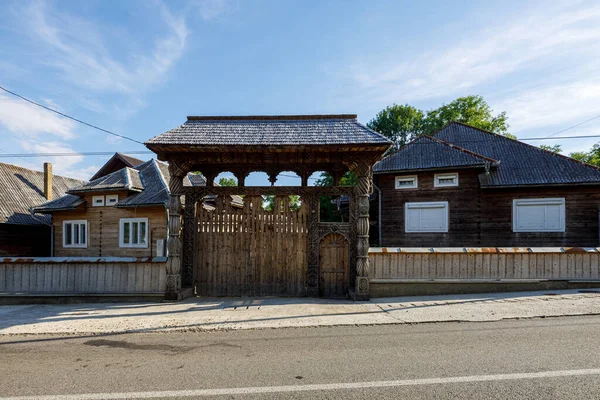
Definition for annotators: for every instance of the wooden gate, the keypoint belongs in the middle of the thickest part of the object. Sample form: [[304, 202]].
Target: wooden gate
[[333, 260], [250, 251]]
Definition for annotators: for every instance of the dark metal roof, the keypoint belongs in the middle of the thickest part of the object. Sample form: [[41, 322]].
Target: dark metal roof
[[271, 131], [430, 153], [115, 163], [22, 189], [520, 164]]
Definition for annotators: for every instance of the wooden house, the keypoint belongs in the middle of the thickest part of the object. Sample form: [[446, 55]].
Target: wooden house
[[120, 213], [21, 232], [465, 187]]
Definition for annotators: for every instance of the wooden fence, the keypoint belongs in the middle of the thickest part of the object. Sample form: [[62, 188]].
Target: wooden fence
[[477, 264], [82, 276], [251, 251]]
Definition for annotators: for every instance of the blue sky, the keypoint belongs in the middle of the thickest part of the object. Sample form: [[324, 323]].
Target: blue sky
[[140, 67]]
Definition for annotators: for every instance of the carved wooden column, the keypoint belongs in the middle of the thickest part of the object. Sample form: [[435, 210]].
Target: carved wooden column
[[312, 244], [173, 290], [363, 189], [189, 238]]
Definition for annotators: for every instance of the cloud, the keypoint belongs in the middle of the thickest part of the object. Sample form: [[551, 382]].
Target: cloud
[[211, 9], [544, 36], [78, 49], [25, 119], [61, 165]]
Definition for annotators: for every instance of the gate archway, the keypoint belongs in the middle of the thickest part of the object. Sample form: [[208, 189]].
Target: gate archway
[[302, 143]]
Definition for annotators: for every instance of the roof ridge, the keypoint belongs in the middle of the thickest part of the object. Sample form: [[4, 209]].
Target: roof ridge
[[567, 158], [127, 178], [454, 146], [292, 117], [160, 174]]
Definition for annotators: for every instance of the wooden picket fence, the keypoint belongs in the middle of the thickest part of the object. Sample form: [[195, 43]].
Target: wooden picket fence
[[249, 250], [389, 264]]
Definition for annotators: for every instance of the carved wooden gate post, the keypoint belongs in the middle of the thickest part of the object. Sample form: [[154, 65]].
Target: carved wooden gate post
[[173, 290], [363, 189]]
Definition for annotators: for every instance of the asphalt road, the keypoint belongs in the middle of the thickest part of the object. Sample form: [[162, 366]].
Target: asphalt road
[[518, 359]]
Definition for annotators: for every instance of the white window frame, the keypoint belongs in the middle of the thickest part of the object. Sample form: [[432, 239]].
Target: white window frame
[[431, 204], [437, 177], [407, 178], [94, 198], [547, 201], [110, 197], [122, 223], [64, 233]]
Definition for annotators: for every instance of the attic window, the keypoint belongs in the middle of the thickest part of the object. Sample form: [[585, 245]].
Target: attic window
[[407, 182], [98, 201], [112, 199], [445, 180]]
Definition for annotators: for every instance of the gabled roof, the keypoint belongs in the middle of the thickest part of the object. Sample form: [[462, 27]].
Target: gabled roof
[[115, 163], [124, 179], [521, 164], [427, 153], [150, 180], [21, 189], [286, 130]]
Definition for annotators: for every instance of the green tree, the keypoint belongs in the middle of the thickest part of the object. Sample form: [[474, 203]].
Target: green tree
[[399, 123], [269, 203], [471, 110], [590, 157], [227, 182], [557, 148], [328, 210]]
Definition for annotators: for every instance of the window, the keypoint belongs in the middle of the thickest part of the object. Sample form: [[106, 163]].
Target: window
[[539, 215], [407, 182], [426, 217], [112, 199], [133, 232], [98, 201], [75, 233], [445, 180]]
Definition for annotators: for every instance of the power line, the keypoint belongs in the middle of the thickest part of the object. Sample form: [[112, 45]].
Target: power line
[[574, 126], [109, 153], [69, 117]]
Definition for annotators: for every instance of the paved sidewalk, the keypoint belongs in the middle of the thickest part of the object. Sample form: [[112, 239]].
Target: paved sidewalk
[[222, 314]]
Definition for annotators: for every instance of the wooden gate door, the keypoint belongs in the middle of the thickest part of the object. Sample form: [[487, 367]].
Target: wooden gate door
[[333, 259], [249, 251]]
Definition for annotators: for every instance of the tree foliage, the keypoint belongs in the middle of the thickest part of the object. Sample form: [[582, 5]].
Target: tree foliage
[[227, 182], [269, 203], [589, 157], [402, 123], [557, 148]]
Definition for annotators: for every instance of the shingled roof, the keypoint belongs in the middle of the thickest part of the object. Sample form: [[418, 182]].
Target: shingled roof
[[22, 188], [115, 163], [150, 180], [429, 153], [289, 130], [521, 164], [124, 179]]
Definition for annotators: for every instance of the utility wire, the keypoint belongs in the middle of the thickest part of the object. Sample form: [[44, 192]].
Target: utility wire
[[574, 126], [69, 117], [109, 153]]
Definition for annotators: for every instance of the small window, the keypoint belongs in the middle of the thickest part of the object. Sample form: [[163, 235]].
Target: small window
[[133, 232], [539, 215], [407, 182], [445, 180], [98, 201], [75, 233], [426, 217], [112, 199]]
